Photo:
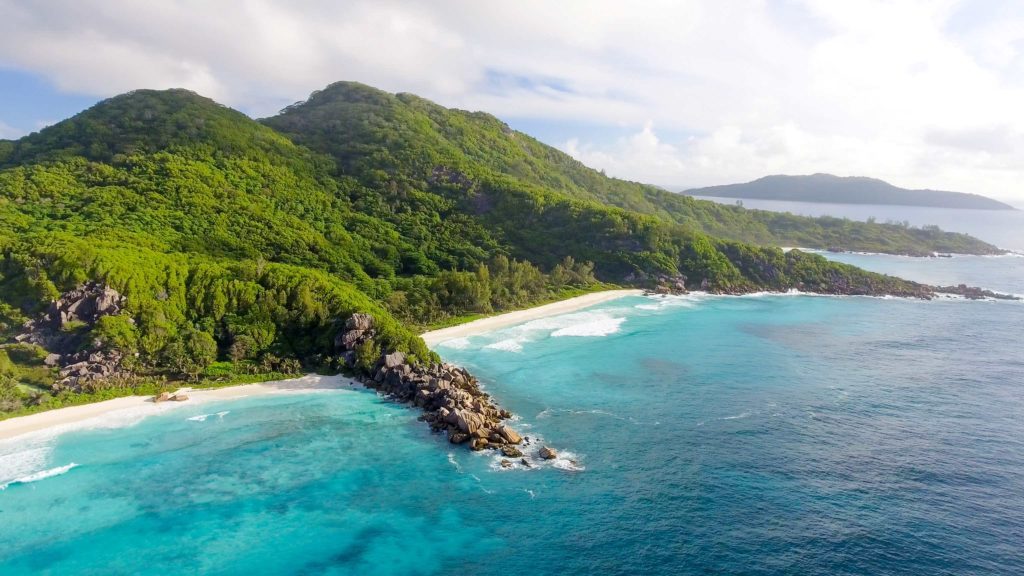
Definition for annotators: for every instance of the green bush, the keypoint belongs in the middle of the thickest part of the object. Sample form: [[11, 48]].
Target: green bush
[[219, 370], [117, 332]]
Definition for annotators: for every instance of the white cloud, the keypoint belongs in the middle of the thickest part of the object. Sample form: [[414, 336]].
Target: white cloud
[[924, 93], [642, 153], [957, 161]]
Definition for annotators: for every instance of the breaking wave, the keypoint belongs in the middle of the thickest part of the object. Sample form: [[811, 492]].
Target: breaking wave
[[23, 463], [579, 324], [508, 345], [203, 417], [567, 461], [602, 326], [40, 475], [456, 343]]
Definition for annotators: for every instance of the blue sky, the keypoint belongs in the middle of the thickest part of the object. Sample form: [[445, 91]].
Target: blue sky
[[30, 102], [681, 93]]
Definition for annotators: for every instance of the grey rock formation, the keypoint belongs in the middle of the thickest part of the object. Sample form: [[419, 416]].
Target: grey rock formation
[[450, 397], [547, 453], [80, 362]]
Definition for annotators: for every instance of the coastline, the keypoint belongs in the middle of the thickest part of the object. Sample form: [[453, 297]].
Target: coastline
[[63, 419], [71, 417], [490, 323]]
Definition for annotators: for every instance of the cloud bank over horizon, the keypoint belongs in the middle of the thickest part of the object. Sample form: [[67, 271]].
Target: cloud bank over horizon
[[922, 93]]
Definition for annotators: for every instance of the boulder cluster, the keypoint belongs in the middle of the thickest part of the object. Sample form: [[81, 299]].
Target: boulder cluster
[[451, 400], [972, 293], [82, 306], [168, 397], [56, 331], [659, 283], [85, 367], [358, 329], [450, 397]]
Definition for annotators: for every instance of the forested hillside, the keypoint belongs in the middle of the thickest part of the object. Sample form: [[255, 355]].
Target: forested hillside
[[372, 133], [222, 247]]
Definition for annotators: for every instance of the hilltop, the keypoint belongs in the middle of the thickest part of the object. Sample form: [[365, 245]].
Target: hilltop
[[831, 189], [367, 129]]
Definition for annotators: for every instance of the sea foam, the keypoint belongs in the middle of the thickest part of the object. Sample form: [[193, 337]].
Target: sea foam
[[508, 345], [567, 461], [203, 417], [600, 326], [580, 324], [455, 343], [40, 475], [22, 463]]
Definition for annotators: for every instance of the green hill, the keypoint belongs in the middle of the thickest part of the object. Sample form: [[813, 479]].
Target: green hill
[[366, 129], [846, 190], [243, 247]]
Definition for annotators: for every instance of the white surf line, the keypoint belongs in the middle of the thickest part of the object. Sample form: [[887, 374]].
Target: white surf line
[[491, 323], [133, 408]]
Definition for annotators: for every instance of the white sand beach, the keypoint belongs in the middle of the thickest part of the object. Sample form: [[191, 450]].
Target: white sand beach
[[63, 419], [140, 406], [519, 316]]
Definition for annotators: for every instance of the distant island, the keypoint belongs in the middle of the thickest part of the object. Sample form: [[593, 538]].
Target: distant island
[[826, 188]]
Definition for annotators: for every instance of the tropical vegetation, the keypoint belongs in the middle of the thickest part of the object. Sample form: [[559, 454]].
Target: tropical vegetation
[[242, 247]]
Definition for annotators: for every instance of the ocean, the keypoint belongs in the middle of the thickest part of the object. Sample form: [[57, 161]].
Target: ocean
[[764, 434]]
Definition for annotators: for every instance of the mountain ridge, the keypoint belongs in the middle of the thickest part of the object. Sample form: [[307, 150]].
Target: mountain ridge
[[828, 188], [444, 130]]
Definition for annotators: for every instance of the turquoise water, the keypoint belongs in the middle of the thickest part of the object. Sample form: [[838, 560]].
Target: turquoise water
[[753, 435]]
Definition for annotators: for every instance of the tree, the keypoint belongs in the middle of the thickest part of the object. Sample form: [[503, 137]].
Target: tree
[[10, 395], [243, 347], [117, 332], [367, 354], [191, 352]]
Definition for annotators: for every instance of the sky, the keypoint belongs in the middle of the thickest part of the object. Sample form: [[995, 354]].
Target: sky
[[921, 93]]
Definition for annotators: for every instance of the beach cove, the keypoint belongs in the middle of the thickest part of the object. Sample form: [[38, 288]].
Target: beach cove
[[723, 428], [68, 418]]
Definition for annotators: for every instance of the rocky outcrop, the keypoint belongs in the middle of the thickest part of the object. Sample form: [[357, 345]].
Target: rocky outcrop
[[54, 329], [358, 329], [510, 435], [451, 400], [547, 453], [62, 331], [86, 367], [511, 451], [450, 397], [972, 293], [658, 283]]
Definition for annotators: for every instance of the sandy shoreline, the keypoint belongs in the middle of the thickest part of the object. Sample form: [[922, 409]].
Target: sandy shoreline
[[71, 417], [519, 316], [85, 415]]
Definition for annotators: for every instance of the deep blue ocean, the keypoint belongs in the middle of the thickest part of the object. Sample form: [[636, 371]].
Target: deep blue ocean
[[698, 435]]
